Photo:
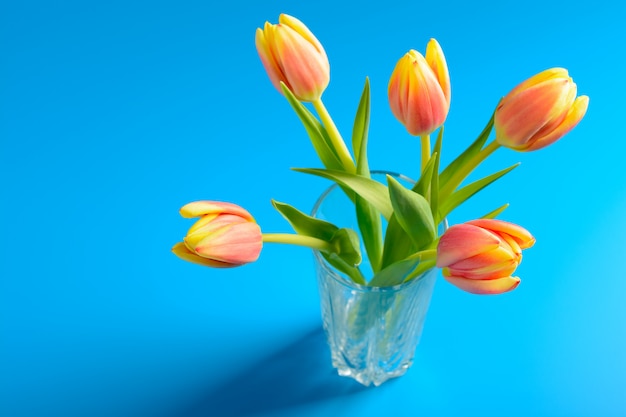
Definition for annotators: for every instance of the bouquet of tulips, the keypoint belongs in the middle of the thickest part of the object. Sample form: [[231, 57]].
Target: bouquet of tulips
[[398, 225]]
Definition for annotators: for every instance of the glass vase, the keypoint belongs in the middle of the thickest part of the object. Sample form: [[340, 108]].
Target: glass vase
[[372, 332]]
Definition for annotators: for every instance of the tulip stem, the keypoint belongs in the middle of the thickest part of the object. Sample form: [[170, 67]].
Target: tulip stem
[[458, 177], [425, 140], [299, 240], [333, 133]]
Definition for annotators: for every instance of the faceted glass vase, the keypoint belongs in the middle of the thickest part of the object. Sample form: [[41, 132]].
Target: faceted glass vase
[[372, 332]]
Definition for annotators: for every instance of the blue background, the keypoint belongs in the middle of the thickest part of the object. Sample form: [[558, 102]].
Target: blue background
[[114, 114]]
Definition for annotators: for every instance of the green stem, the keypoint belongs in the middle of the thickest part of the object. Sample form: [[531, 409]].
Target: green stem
[[335, 137], [316, 244], [425, 140], [299, 240], [466, 169]]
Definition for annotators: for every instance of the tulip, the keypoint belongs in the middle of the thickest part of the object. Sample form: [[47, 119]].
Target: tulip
[[479, 256], [292, 54], [225, 235], [539, 111], [419, 90]]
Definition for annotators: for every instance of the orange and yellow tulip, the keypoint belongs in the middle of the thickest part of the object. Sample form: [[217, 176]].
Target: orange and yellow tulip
[[539, 111], [292, 54], [419, 90], [224, 236], [479, 256]]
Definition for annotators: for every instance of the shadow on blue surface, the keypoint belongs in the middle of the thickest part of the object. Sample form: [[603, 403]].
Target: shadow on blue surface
[[299, 374]]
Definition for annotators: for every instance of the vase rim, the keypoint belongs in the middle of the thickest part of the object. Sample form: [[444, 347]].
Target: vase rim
[[327, 191], [339, 277]]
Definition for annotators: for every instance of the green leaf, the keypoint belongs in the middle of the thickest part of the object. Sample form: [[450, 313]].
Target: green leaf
[[372, 191], [422, 186], [434, 186], [395, 273], [397, 244], [347, 246], [421, 268], [413, 213], [316, 131], [304, 224], [465, 157], [370, 226], [368, 217], [495, 213], [350, 270], [345, 241], [406, 269], [360, 131], [469, 190]]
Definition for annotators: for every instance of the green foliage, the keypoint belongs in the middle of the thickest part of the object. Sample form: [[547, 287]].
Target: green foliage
[[316, 131], [495, 213], [449, 177], [412, 213], [372, 191], [368, 218], [466, 192], [397, 245], [304, 224], [346, 253], [394, 274]]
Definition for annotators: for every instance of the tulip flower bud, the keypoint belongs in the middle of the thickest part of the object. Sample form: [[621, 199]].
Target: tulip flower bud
[[419, 90], [292, 54], [225, 236], [539, 111], [479, 256]]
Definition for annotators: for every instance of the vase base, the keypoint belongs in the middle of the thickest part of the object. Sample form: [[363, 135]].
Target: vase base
[[368, 377]]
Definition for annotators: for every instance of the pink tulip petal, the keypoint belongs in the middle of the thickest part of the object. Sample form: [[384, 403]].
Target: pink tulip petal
[[305, 70], [494, 286], [427, 106], [239, 244], [485, 271], [185, 254], [522, 236], [463, 241], [303, 31], [573, 117], [564, 108], [202, 222], [495, 256], [200, 208], [415, 96], [548, 74], [539, 111], [214, 226], [437, 62], [513, 246], [487, 265], [521, 117], [292, 55], [267, 57]]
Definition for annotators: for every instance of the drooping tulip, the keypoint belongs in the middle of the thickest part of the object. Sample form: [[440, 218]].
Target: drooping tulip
[[479, 256], [292, 54], [539, 111], [419, 90], [225, 235]]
